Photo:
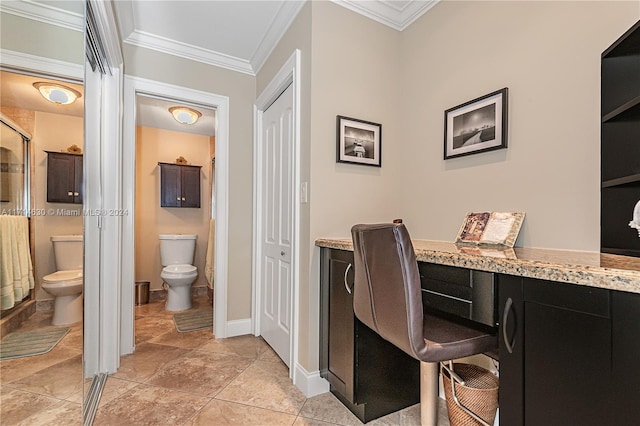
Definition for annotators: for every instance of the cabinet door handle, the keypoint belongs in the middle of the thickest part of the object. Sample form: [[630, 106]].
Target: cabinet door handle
[[178, 198], [75, 194], [345, 279], [70, 193], [183, 199], [505, 317]]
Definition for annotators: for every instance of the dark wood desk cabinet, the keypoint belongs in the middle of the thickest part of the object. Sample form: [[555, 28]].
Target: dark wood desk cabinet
[[369, 375], [568, 354]]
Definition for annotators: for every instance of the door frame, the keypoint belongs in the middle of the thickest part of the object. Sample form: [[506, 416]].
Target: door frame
[[288, 74], [134, 86]]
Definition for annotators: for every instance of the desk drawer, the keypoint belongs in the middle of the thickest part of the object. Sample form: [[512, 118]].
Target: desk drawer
[[463, 293]]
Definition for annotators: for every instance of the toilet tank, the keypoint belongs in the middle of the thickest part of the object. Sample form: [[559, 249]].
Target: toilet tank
[[67, 251], [177, 249]]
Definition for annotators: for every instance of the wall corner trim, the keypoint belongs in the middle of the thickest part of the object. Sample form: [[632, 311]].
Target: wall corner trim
[[310, 384]]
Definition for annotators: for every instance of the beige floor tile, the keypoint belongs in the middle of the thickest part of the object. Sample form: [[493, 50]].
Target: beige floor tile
[[15, 369], [247, 346], [65, 413], [265, 385], [202, 373], [328, 408], [152, 309], [302, 421], [150, 405], [270, 355], [74, 338], [16, 405], [113, 388], [60, 380], [189, 340], [222, 413], [147, 328], [147, 360]]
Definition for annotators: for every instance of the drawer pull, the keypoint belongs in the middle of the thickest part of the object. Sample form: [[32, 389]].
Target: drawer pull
[[345, 279], [505, 317]]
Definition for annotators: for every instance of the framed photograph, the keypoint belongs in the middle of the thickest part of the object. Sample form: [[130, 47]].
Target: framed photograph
[[358, 142], [490, 228], [476, 126]]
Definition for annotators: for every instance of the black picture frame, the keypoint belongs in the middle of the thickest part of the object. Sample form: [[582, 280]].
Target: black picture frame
[[479, 125], [358, 141]]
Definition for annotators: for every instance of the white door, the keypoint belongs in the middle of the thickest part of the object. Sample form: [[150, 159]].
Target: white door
[[277, 191]]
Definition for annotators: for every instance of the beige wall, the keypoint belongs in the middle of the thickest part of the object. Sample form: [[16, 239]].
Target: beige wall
[[240, 88], [548, 55], [53, 132], [40, 39], [153, 146]]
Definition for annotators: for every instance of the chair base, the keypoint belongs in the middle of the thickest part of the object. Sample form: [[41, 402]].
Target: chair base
[[429, 393]]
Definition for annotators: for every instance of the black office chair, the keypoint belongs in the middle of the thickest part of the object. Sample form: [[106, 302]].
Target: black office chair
[[388, 299]]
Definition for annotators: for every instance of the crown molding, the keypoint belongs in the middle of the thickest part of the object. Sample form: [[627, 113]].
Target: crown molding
[[279, 26], [389, 13], [66, 71], [188, 51], [44, 13]]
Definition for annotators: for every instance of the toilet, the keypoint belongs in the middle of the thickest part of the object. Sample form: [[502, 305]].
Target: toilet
[[66, 283], [176, 256]]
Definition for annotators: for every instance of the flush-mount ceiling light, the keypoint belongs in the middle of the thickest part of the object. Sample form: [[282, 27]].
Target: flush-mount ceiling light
[[185, 115], [57, 93]]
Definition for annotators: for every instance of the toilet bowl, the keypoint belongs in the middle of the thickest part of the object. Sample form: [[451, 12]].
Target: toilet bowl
[[176, 255], [179, 279], [66, 286]]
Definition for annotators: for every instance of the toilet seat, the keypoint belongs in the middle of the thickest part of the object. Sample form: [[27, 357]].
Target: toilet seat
[[177, 271], [71, 277]]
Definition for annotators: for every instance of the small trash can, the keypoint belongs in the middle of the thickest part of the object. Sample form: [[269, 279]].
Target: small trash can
[[142, 292], [479, 394]]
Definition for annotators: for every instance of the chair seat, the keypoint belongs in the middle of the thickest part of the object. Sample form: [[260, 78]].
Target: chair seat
[[446, 340]]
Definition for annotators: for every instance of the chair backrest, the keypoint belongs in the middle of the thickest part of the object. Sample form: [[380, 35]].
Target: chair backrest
[[387, 295]]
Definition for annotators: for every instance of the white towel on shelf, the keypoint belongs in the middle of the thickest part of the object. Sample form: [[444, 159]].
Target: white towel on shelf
[[16, 269], [208, 267]]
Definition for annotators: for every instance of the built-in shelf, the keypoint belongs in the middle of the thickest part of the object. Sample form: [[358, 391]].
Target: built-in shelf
[[628, 111], [621, 252], [626, 180], [619, 145]]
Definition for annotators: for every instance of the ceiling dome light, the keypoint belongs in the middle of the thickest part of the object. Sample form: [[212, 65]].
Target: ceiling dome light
[[185, 115], [57, 93]]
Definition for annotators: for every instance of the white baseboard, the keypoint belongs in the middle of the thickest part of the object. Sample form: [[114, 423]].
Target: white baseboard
[[310, 384], [238, 327]]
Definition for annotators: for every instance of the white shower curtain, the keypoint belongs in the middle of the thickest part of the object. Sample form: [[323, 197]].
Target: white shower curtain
[[16, 269]]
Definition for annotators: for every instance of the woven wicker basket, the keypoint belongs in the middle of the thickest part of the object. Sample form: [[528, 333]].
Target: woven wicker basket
[[480, 395]]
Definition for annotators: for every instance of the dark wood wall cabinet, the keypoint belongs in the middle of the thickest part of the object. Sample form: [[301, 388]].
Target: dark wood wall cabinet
[[620, 143], [179, 185], [64, 177], [369, 375], [568, 354]]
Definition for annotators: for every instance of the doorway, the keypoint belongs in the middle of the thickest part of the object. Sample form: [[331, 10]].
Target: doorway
[[264, 295], [173, 198], [133, 88]]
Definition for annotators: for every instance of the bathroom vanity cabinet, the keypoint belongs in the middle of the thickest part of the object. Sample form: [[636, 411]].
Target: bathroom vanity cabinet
[[369, 375], [620, 150], [64, 177], [179, 185]]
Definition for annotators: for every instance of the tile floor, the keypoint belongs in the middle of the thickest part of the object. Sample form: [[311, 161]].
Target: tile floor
[[174, 379]]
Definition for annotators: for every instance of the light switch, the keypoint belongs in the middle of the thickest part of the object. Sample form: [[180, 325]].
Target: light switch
[[304, 192]]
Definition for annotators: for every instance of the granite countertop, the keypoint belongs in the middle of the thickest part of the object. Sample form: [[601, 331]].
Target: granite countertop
[[575, 267]]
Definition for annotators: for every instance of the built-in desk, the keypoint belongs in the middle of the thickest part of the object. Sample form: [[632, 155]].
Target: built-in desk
[[569, 333]]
